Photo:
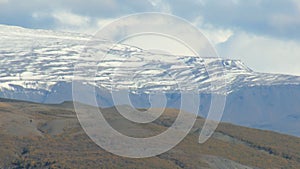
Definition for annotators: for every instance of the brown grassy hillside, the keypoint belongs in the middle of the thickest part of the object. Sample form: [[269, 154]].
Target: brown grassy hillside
[[50, 136]]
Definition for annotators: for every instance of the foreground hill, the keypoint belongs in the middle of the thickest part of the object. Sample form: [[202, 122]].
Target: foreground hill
[[50, 136]]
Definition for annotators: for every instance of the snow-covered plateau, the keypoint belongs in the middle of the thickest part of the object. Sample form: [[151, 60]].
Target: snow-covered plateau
[[40, 66]]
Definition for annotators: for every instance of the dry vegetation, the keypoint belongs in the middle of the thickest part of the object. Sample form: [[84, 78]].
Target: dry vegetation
[[49, 136]]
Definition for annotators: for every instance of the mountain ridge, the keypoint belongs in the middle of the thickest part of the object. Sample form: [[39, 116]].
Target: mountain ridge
[[40, 65]]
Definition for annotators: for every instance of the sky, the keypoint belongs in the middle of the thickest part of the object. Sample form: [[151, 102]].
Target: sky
[[264, 34]]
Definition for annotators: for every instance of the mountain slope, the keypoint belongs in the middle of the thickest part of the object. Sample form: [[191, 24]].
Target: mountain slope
[[38, 65], [49, 136]]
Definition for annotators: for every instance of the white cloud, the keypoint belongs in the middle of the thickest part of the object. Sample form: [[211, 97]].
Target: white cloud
[[3, 1], [161, 6], [217, 36], [262, 53], [213, 34], [297, 3], [103, 22], [70, 19], [39, 15], [70, 22], [282, 21]]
